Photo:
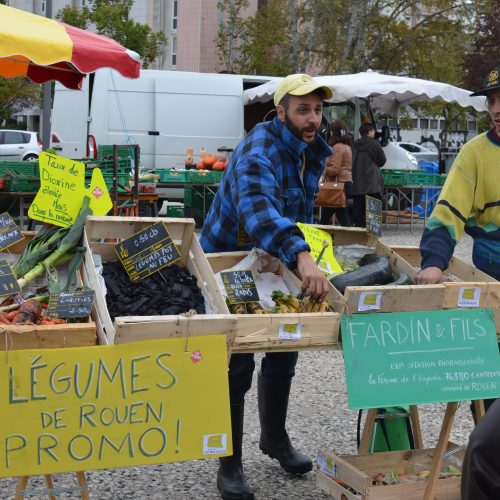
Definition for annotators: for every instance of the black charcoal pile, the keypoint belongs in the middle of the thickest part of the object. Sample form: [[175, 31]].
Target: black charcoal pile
[[171, 291]]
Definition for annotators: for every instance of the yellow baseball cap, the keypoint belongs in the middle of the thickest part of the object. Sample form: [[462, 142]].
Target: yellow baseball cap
[[299, 84]]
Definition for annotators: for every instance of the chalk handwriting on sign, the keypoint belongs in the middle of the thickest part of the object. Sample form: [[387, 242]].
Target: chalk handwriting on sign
[[62, 189], [420, 357], [373, 216], [8, 282], [147, 251], [9, 232], [240, 286], [77, 304], [113, 406], [315, 238]]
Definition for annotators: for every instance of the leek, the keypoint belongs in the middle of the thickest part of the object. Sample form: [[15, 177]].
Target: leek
[[64, 250]]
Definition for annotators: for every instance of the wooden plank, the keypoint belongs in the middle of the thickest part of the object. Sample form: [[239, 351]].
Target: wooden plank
[[398, 298], [334, 489], [136, 328], [368, 429], [345, 235], [489, 295], [260, 332], [415, 426], [344, 471], [446, 489], [444, 435], [47, 336]]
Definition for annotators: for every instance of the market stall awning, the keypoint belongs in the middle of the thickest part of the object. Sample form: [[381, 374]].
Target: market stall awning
[[44, 49], [387, 92]]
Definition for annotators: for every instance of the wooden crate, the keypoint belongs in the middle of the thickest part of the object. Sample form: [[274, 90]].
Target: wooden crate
[[445, 295], [335, 472], [260, 332], [102, 233], [44, 336]]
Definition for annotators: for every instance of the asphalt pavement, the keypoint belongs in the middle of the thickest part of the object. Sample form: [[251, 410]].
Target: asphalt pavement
[[318, 418]]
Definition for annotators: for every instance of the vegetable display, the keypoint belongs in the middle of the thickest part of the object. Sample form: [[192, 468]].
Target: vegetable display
[[170, 291], [285, 303]]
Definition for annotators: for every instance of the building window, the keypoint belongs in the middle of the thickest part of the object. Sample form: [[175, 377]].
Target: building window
[[434, 125], [174, 51], [471, 125], [442, 124], [424, 123], [174, 16], [414, 123]]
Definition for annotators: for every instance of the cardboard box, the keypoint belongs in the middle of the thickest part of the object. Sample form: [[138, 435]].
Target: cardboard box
[[102, 234], [45, 336]]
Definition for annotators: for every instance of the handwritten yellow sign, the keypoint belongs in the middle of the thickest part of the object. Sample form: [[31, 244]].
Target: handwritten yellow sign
[[62, 189], [315, 237], [123, 405]]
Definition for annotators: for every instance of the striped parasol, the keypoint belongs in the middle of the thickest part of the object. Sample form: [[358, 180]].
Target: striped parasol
[[43, 49]]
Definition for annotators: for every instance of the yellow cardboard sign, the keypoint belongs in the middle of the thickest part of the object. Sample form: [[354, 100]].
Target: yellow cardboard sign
[[62, 189], [315, 237], [122, 405]]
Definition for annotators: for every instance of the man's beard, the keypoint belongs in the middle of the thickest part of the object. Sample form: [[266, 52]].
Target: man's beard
[[296, 131]]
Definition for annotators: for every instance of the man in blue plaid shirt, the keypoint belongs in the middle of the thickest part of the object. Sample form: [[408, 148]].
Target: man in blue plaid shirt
[[271, 183]]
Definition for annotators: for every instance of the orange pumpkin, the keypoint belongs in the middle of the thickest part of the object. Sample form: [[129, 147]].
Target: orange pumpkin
[[219, 165], [209, 160], [200, 166]]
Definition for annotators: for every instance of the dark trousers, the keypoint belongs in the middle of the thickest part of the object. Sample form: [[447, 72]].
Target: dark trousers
[[359, 208], [481, 467], [275, 366]]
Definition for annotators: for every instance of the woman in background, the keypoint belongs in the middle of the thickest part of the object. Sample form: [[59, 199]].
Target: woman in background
[[339, 168]]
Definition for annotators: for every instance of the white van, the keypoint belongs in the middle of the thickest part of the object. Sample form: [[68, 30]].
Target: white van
[[165, 112]]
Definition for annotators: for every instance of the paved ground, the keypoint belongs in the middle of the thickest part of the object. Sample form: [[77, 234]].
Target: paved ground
[[318, 417]]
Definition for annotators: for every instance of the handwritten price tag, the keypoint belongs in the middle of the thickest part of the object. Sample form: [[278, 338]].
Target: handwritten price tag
[[240, 286]]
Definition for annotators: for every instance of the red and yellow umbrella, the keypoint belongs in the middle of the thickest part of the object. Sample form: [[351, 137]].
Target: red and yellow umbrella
[[43, 49]]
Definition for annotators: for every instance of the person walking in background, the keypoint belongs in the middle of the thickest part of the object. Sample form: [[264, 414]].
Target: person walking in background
[[339, 168], [271, 182], [368, 158]]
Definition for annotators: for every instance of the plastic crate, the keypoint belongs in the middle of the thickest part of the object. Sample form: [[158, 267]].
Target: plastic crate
[[25, 184], [395, 177], [105, 152], [29, 168], [188, 196], [217, 175], [425, 179], [167, 175], [201, 176], [175, 209]]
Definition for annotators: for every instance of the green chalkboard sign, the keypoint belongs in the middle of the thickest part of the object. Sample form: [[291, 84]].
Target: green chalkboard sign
[[9, 232], [404, 358], [373, 216], [147, 251]]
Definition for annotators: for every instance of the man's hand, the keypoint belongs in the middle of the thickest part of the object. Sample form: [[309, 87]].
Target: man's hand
[[314, 281], [429, 276]]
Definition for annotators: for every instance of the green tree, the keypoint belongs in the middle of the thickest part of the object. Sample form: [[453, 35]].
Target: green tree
[[17, 94], [112, 19]]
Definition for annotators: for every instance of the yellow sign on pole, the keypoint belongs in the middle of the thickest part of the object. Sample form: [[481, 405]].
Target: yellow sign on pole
[[62, 189], [123, 405], [315, 237]]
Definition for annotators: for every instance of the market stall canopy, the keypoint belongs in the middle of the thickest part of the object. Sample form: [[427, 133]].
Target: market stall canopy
[[43, 49], [387, 93]]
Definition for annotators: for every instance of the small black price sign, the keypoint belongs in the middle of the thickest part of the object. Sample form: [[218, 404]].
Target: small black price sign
[[147, 251], [77, 304], [373, 216], [8, 282], [240, 286], [9, 232]]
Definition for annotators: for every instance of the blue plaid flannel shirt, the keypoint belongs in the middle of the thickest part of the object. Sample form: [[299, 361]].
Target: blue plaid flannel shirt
[[262, 194]]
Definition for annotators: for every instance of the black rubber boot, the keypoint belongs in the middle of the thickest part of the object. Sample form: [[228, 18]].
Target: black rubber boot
[[274, 440], [230, 479]]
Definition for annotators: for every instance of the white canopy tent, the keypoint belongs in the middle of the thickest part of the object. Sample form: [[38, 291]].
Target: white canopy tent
[[387, 93]]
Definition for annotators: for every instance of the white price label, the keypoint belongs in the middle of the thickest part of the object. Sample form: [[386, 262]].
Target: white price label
[[290, 331], [370, 301]]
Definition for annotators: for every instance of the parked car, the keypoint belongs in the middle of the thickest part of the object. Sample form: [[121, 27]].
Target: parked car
[[421, 153], [19, 145]]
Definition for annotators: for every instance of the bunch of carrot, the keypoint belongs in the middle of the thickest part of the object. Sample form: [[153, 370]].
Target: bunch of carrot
[[31, 311]]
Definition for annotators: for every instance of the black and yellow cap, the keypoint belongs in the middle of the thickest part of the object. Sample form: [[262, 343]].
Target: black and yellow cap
[[492, 82]]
